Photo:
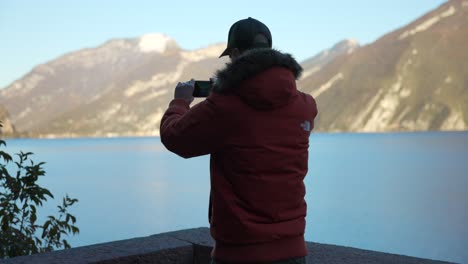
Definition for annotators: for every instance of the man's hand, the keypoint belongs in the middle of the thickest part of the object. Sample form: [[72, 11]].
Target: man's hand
[[184, 90]]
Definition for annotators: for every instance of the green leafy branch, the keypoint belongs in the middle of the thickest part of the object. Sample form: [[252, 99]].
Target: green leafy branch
[[20, 197]]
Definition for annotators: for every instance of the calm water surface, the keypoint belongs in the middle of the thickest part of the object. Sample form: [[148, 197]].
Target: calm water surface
[[404, 193]]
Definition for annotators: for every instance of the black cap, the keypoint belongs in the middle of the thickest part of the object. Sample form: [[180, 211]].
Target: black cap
[[242, 35]]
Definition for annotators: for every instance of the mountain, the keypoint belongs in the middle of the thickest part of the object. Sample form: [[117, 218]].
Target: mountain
[[7, 127], [316, 63], [412, 79], [120, 88]]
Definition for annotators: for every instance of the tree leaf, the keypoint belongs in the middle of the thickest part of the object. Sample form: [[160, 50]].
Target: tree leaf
[[33, 218], [73, 219], [75, 230]]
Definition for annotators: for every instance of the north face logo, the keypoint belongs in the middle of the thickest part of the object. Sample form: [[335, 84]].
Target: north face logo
[[306, 126]]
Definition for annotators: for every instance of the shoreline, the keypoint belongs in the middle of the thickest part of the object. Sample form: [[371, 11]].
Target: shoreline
[[136, 136]]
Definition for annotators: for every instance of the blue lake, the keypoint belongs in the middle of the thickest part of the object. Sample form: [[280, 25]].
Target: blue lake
[[404, 193]]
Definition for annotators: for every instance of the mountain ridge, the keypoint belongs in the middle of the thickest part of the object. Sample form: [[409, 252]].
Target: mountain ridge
[[81, 77], [411, 79]]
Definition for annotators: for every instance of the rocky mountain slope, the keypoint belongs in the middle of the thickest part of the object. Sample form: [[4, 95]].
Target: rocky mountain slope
[[412, 79], [7, 128], [120, 88]]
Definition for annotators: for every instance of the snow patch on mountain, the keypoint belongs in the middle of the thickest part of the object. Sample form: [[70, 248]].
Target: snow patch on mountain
[[212, 51], [448, 79], [327, 85], [382, 115], [428, 23], [154, 42], [110, 112], [449, 12], [154, 95], [357, 124], [352, 42], [352, 45], [308, 73], [397, 86], [454, 122], [160, 80], [151, 122], [405, 92], [423, 120], [157, 81], [400, 117], [385, 110]]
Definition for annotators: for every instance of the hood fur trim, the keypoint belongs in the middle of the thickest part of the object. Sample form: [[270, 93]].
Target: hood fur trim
[[251, 63]]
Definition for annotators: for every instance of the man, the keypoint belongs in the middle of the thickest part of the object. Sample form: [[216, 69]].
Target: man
[[256, 126]]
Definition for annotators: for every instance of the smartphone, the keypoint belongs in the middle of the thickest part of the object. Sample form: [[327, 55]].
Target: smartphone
[[202, 88]]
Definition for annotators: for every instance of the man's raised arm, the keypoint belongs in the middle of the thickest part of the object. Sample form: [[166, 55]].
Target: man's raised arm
[[192, 132]]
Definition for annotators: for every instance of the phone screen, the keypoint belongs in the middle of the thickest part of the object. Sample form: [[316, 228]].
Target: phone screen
[[202, 89]]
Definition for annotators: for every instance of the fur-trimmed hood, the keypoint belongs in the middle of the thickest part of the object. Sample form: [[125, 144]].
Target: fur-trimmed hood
[[264, 78]]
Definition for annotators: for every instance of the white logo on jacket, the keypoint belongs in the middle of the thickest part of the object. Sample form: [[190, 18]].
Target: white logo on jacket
[[306, 126]]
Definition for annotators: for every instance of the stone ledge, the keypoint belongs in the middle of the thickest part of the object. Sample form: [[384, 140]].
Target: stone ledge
[[136, 250], [194, 246]]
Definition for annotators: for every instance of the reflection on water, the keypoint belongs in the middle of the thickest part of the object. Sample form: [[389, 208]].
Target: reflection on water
[[404, 193]]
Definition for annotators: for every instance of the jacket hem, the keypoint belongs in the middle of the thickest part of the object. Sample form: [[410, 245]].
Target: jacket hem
[[277, 250]]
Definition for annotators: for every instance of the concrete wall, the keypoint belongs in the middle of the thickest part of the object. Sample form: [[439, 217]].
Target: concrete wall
[[194, 246]]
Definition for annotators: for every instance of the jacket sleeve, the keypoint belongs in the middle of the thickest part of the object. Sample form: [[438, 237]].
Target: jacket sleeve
[[192, 132]]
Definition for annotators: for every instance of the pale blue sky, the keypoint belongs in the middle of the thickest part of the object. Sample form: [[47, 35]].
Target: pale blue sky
[[34, 32]]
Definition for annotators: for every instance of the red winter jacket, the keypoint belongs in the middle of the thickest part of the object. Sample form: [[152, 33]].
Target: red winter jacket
[[256, 126]]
